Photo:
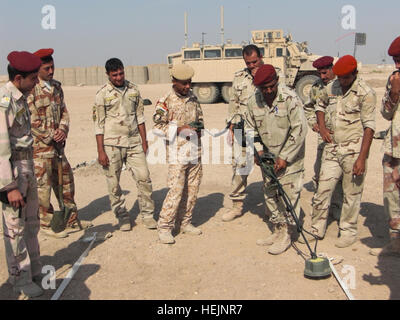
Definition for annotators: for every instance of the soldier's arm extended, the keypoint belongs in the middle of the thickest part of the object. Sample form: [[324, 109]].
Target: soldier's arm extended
[[390, 100], [99, 117], [297, 133], [38, 121]]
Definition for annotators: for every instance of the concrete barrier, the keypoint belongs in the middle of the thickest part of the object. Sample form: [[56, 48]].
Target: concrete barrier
[[59, 75], [101, 76], [154, 73], [69, 77], [96, 76], [80, 75]]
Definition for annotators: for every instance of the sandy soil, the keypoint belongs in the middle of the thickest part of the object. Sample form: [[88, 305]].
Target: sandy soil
[[224, 262]]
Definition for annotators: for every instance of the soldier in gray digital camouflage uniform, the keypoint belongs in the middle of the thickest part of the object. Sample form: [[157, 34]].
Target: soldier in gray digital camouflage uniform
[[121, 138]]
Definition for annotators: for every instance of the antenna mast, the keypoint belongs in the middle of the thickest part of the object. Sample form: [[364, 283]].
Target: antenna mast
[[222, 25], [186, 31]]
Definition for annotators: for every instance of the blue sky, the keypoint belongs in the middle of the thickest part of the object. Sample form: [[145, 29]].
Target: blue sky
[[89, 32]]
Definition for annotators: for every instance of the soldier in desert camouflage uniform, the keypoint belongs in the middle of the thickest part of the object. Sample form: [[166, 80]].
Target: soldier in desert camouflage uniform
[[277, 115], [175, 112], [391, 158], [50, 126], [17, 178], [119, 122], [346, 120], [242, 89]]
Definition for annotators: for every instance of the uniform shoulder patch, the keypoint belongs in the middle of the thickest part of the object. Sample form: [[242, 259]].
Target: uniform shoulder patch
[[5, 101]]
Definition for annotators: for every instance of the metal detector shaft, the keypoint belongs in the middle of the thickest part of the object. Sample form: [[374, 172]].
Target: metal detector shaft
[[286, 200]]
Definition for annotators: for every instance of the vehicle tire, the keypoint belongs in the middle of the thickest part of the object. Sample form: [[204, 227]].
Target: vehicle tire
[[303, 86], [206, 92], [226, 91]]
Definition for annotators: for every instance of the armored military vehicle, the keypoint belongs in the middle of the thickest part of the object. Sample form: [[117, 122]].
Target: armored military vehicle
[[215, 65]]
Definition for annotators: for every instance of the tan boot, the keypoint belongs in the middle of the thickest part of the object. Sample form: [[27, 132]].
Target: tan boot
[[391, 249], [233, 213], [149, 222], [124, 223], [282, 242], [269, 240], [191, 229], [166, 237], [345, 241]]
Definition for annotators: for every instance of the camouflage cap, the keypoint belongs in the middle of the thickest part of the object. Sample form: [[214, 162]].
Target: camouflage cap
[[182, 72]]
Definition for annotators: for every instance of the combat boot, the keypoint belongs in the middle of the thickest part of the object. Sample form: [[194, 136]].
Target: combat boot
[[191, 229], [391, 249], [269, 240], [124, 222], [149, 222], [345, 241], [48, 232], [282, 242], [24, 285], [233, 213], [166, 237]]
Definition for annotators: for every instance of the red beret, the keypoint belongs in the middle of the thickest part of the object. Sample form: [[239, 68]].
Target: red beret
[[323, 62], [345, 65], [394, 49], [24, 61], [265, 73], [43, 53]]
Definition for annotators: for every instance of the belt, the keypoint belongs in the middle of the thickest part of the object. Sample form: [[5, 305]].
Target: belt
[[25, 154]]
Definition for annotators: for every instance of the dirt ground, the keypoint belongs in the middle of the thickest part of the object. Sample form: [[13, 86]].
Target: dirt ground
[[224, 262]]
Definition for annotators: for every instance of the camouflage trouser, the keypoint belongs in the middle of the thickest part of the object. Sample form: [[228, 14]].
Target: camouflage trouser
[[334, 165], [183, 182], [135, 161], [20, 233], [292, 185], [46, 171], [391, 194], [239, 180], [337, 198]]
